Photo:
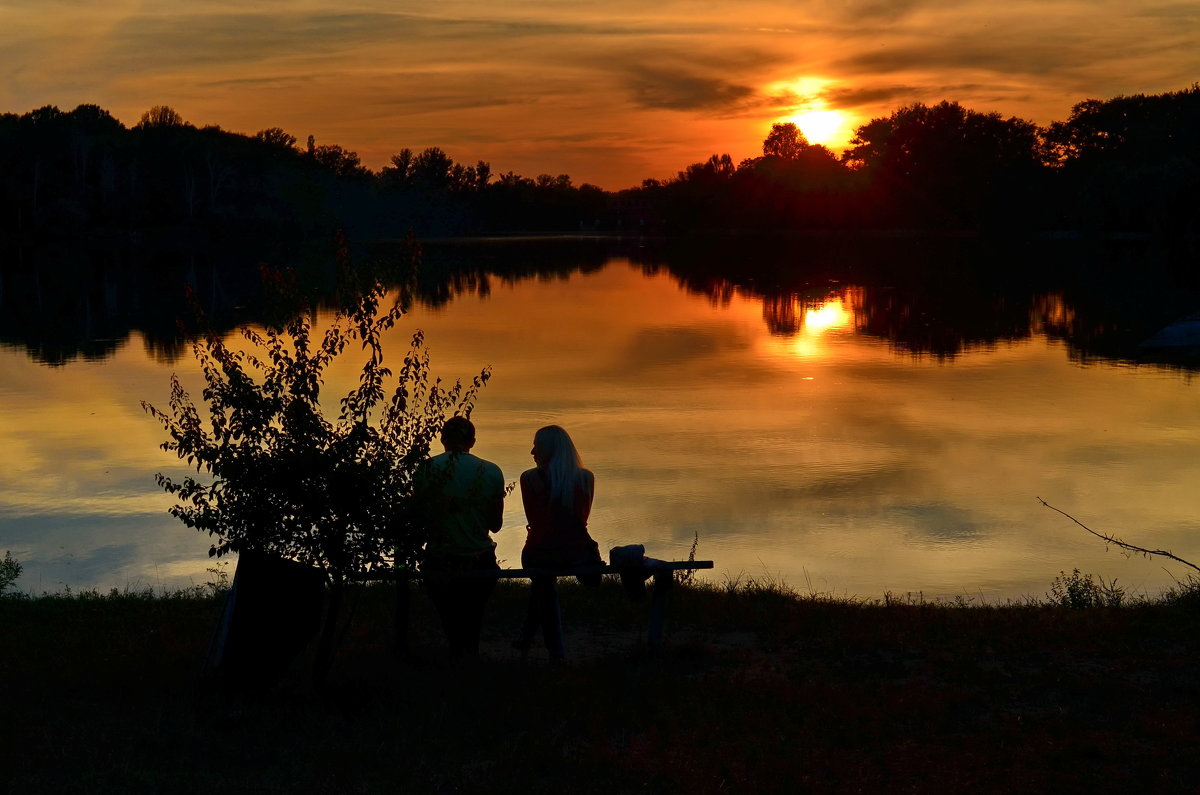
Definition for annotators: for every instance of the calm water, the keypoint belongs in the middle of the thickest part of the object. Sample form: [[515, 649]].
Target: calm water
[[792, 444]]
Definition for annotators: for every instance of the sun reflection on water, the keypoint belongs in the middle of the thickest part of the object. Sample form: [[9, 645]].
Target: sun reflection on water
[[799, 324]]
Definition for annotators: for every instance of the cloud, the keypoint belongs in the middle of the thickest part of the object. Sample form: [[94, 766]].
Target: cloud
[[877, 11], [677, 89], [897, 94], [404, 37], [686, 75]]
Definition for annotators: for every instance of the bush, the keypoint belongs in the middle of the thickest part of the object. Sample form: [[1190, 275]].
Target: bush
[[10, 570], [284, 479], [1078, 591]]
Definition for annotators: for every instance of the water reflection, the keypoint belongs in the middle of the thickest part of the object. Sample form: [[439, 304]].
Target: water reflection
[[928, 298], [941, 298], [772, 418]]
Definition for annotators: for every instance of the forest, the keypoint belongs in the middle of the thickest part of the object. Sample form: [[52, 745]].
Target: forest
[[1119, 167]]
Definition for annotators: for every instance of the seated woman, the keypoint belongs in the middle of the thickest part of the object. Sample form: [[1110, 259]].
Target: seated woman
[[557, 494]]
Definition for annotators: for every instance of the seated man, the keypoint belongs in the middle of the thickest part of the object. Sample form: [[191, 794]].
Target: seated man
[[464, 502]]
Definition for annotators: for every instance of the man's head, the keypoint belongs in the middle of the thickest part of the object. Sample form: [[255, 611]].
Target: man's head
[[458, 435]]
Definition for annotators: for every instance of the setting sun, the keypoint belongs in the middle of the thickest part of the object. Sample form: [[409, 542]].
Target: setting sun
[[822, 126], [805, 104]]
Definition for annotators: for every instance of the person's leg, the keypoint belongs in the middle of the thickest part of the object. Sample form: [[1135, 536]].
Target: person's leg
[[475, 596], [549, 616], [529, 627], [441, 593]]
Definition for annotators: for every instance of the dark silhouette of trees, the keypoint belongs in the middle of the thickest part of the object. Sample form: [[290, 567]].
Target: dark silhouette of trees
[[947, 167], [805, 187], [1130, 164], [82, 174], [784, 141], [161, 116], [274, 136], [1125, 165], [58, 168]]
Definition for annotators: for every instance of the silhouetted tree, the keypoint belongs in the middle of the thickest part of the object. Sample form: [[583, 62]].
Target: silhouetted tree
[[1127, 163], [338, 161], [274, 136], [161, 116], [282, 478], [430, 170], [784, 141], [1131, 163], [947, 166], [399, 171]]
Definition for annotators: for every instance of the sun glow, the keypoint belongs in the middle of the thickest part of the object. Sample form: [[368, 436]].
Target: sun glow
[[801, 329], [807, 108], [822, 126], [830, 315]]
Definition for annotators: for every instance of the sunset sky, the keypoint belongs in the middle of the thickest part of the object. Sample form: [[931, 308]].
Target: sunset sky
[[609, 93]]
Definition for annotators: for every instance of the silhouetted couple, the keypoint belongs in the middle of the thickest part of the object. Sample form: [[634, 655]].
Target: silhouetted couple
[[465, 497]]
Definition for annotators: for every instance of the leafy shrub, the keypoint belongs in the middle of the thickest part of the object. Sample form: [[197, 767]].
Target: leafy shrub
[[10, 570], [1184, 593], [1078, 591], [285, 479]]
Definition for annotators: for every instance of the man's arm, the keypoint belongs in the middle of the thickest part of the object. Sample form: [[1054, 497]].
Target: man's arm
[[495, 514], [494, 510]]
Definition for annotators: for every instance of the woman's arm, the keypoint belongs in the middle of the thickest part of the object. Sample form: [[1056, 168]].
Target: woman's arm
[[528, 498]]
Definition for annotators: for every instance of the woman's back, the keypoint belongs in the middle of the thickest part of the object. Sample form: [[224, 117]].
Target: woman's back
[[557, 532]]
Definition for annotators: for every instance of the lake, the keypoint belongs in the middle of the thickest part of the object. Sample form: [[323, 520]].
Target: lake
[[847, 435]]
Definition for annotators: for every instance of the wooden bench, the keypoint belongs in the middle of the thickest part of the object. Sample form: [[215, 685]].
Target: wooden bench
[[661, 571]]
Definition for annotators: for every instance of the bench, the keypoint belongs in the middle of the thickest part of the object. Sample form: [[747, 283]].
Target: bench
[[661, 571]]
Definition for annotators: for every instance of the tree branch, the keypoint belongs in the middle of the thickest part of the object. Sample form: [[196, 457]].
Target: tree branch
[[1108, 539]]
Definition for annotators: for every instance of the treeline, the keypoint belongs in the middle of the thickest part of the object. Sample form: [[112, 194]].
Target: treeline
[[1129, 165], [1126, 165], [82, 173]]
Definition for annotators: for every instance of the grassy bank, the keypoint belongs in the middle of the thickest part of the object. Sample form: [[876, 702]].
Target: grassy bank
[[756, 690]]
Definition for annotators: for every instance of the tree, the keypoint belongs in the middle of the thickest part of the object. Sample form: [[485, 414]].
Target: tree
[[399, 173], [161, 116], [947, 165], [1131, 162], [10, 570], [483, 173], [340, 162], [717, 169], [1132, 128], [784, 141], [277, 137], [430, 170], [285, 479], [288, 482]]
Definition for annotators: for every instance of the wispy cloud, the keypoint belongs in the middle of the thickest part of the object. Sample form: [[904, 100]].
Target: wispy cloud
[[676, 89]]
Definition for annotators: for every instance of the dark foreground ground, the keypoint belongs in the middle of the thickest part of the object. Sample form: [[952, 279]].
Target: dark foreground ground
[[754, 691]]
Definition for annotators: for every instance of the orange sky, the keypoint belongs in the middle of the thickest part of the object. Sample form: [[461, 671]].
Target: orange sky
[[609, 93]]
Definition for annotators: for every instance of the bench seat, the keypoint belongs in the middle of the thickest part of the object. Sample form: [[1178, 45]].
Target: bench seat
[[662, 572]]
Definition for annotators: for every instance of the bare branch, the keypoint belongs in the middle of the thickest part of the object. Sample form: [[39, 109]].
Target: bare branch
[[1108, 539]]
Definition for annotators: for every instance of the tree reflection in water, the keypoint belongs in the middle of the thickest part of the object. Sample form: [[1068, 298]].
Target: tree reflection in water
[[926, 297]]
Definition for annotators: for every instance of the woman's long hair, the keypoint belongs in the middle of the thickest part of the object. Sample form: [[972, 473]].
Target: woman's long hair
[[564, 466]]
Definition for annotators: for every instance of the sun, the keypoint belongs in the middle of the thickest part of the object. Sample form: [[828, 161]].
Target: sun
[[803, 102], [822, 126]]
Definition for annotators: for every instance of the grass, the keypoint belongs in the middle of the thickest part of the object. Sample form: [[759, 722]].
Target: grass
[[758, 689]]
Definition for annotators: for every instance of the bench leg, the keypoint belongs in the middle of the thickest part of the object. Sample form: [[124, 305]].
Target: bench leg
[[403, 598], [664, 581]]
